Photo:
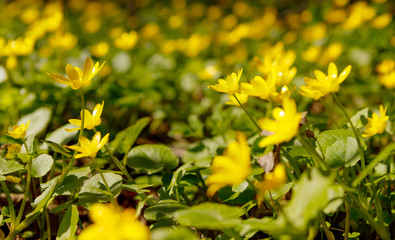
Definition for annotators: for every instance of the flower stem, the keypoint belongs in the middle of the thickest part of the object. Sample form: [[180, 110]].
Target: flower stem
[[27, 189], [49, 234], [251, 118], [329, 234], [10, 205], [347, 228], [83, 114], [357, 136]]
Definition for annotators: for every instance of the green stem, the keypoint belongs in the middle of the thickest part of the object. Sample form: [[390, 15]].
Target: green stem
[[10, 204], [365, 214], [347, 228], [27, 189], [251, 118], [328, 233], [83, 113], [291, 161], [327, 107], [357, 135], [318, 160], [105, 183], [116, 161], [49, 234]]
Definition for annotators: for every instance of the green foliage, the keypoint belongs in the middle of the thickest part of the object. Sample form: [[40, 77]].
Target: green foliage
[[68, 225], [151, 158]]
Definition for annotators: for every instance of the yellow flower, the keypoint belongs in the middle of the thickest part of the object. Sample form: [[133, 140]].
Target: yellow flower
[[243, 98], [90, 148], [376, 124], [311, 54], [18, 131], [78, 78], [259, 87], [315, 32], [284, 127], [273, 180], [317, 88], [230, 85], [100, 49], [382, 21], [11, 62], [278, 97], [232, 167], [330, 54], [126, 41], [91, 119], [388, 80], [113, 223], [63, 40], [386, 66]]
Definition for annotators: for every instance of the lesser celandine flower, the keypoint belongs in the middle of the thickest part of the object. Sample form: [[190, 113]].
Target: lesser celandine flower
[[259, 87], [78, 78], [19, 131], [63, 40], [230, 85], [90, 148], [381, 21], [285, 92], [100, 49], [113, 223], [388, 80], [231, 168], [91, 119], [272, 180], [322, 85], [242, 97], [376, 124], [126, 41], [284, 126]]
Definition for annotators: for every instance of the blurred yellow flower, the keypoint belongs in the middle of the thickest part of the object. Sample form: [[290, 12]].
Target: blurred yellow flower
[[330, 54], [376, 124], [126, 41], [29, 15], [360, 12], [276, 63], [388, 80], [232, 167], [91, 121], [322, 85], [150, 30], [334, 16], [18, 131], [230, 85], [11, 62], [381, 21], [100, 49], [385, 66], [63, 40], [113, 223], [78, 78], [259, 87], [315, 32], [242, 97], [311, 54], [340, 3], [90, 148], [20, 46], [284, 126], [272, 180], [92, 25]]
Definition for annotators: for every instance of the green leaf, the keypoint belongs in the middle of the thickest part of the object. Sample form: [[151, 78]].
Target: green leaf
[[162, 210], [94, 189], [178, 233], [68, 226], [276, 194], [125, 139], [58, 148], [42, 197], [177, 176], [39, 120], [257, 151], [151, 158], [213, 216], [339, 147], [41, 165], [138, 188], [31, 144], [343, 152], [360, 118], [310, 196], [9, 166]]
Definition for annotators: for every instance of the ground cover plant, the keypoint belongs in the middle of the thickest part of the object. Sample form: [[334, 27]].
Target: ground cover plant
[[197, 119]]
